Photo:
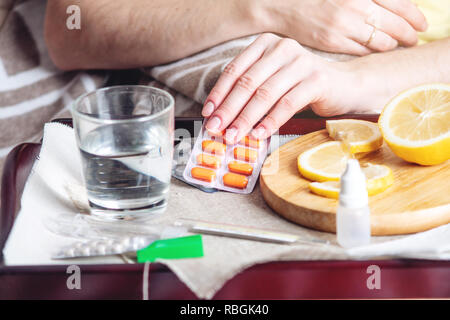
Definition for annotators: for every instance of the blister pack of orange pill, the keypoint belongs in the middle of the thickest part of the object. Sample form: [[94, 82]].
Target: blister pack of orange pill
[[214, 163]]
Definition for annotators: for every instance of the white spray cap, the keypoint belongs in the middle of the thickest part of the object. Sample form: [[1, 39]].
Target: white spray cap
[[353, 193]]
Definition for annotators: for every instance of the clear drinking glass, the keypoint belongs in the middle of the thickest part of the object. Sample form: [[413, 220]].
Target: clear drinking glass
[[125, 136]]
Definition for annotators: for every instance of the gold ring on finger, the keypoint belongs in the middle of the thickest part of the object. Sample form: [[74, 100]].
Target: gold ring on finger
[[372, 35]]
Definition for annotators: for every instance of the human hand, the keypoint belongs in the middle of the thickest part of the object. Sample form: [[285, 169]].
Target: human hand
[[278, 77], [356, 27]]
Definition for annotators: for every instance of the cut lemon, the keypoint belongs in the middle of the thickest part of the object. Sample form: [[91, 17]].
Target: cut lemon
[[379, 178], [328, 189], [360, 135], [324, 162], [416, 124]]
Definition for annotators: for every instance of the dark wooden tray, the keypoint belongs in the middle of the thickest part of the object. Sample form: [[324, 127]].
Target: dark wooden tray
[[276, 280]]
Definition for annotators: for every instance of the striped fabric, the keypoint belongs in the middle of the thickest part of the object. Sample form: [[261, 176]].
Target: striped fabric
[[5, 7], [32, 90]]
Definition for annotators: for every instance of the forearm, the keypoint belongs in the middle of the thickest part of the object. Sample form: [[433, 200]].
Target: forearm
[[384, 75], [127, 34]]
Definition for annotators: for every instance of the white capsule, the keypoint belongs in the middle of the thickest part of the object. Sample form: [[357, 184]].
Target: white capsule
[[101, 249], [69, 252], [79, 245], [125, 242], [86, 251]]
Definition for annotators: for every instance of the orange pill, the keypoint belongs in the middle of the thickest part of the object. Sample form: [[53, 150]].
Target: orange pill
[[214, 147], [207, 160], [245, 154], [240, 167], [235, 180], [249, 142], [204, 174]]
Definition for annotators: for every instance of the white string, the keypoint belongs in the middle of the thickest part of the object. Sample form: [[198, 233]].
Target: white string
[[145, 280]]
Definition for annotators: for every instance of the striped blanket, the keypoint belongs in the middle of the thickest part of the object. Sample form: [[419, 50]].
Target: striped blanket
[[32, 90]]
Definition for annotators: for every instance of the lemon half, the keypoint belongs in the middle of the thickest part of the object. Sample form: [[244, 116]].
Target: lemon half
[[416, 124]]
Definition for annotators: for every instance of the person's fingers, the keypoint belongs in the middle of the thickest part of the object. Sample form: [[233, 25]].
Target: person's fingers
[[393, 25], [282, 53], [376, 38], [234, 70], [295, 100], [407, 10], [356, 35], [350, 46], [267, 95]]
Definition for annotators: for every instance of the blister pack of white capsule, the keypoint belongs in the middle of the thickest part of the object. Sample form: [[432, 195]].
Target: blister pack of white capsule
[[217, 164]]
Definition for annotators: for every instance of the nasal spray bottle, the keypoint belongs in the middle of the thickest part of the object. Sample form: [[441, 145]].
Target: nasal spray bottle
[[353, 214]]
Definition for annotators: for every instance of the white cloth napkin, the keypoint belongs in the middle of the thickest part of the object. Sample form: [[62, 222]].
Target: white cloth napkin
[[45, 195], [58, 169]]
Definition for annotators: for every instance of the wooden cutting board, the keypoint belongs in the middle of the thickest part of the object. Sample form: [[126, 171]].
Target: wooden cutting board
[[418, 200]]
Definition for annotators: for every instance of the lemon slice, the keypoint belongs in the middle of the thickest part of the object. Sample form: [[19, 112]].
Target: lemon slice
[[379, 178], [416, 124], [324, 162], [360, 135], [328, 189]]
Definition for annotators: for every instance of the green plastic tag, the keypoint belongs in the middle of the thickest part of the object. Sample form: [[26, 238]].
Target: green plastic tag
[[175, 248]]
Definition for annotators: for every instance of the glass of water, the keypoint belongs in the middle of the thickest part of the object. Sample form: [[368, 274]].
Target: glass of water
[[125, 136]]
